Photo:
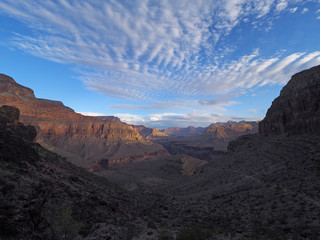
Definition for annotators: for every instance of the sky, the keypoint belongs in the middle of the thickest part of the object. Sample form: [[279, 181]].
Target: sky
[[160, 63]]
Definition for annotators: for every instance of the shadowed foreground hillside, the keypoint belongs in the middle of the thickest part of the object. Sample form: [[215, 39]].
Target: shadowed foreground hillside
[[44, 197]]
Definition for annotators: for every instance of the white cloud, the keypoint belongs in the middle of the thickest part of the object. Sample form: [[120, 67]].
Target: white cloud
[[91, 114], [304, 10], [194, 118], [293, 10], [253, 71], [151, 50], [218, 103], [282, 4], [131, 118], [139, 107], [151, 42], [253, 110]]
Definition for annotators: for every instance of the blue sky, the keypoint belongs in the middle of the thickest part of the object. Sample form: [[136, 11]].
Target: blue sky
[[160, 63]]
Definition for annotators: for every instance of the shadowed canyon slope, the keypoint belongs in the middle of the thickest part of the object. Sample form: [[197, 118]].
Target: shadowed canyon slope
[[86, 141]]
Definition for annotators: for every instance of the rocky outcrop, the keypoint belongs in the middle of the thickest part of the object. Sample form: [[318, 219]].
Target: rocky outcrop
[[297, 109], [82, 139], [15, 138], [8, 85], [148, 133], [157, 133], [9, 115]]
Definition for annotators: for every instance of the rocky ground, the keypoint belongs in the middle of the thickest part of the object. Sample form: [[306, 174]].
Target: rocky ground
[[265, 188]]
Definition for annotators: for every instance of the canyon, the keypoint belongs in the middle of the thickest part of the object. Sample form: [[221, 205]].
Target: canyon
[[204, 143], [264, 185], [96, 143]]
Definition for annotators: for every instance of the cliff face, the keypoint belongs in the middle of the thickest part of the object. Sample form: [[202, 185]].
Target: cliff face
[[297, 109], [109, 118], [82, 139], [157, 133], [148, 133], [8, 85], [231, 130]]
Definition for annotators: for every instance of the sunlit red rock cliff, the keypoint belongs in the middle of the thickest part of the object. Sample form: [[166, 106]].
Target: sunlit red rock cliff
[[86, 141]]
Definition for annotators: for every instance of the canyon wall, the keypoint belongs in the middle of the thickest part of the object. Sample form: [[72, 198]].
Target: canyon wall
[[148, 133], [81, 139], [231, 130]]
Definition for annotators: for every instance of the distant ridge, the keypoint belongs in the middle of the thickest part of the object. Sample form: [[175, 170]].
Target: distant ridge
[[177, 131]]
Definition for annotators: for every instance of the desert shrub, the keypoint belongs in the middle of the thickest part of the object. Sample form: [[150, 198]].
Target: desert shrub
[[151, 224], [132, 231], [165, 235], [196, 232], [61, 223]]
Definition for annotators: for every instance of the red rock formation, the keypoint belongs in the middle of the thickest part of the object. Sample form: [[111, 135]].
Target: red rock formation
[[148, 133], [142, 130], [109, 118], [231, 130], [157, 133], [297, 109], [81, 139]]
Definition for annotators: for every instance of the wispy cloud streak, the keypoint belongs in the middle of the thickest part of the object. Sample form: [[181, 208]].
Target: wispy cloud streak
[[153, 50], [194, 118]]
